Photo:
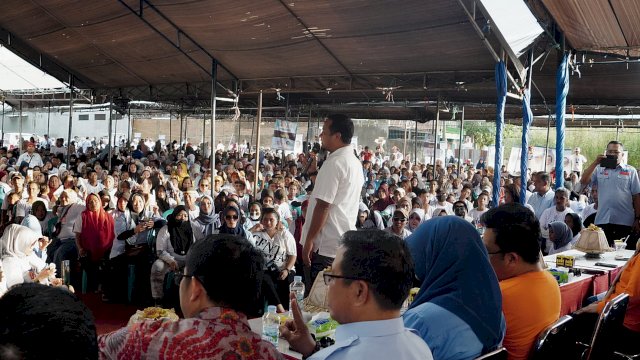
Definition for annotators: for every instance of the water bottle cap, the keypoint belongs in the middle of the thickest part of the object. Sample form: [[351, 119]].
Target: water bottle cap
[[297, 278], [271, 308]]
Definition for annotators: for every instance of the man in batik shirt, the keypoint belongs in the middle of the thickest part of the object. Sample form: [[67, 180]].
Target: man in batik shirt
[[219, 285]]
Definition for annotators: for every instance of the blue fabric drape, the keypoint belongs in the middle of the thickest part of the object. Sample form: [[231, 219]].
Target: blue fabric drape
[[562, 89], [527, 117], [501, 88]]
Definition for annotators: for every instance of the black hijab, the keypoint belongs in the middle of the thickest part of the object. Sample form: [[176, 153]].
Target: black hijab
[[180, 232]]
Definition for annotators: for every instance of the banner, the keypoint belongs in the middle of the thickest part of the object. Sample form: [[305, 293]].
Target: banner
[[284, 135]]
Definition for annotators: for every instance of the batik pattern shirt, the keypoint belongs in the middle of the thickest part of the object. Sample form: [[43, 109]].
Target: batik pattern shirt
[[215, 333]]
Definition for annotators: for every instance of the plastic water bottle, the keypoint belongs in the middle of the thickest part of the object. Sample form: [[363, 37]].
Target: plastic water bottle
[[297, 287], [271, 326]]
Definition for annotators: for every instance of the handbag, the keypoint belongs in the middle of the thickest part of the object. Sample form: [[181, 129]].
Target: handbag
[[317, 299]]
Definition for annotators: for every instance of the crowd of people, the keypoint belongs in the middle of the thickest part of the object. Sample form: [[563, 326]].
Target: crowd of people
[[150, 226]]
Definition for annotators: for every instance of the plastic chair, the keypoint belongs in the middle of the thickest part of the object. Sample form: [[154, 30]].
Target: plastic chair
[[609, 321], [499, 354], [558, 340]]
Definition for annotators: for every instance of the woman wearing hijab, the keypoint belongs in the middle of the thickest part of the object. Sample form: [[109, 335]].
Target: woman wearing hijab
[[95, 231], [137, 238], [416, 217], [207, 221], [231, 223], [574, 223], [560, 236], [18, 243], [172, 244], [458, 310]]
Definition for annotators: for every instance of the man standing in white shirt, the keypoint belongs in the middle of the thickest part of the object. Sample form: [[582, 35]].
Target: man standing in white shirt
[[333, 205], [30, 157], [577, 161]]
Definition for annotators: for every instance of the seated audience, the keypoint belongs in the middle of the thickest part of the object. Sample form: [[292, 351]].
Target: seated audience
[[215, 324], [511, 237], [369, 280], [43, 322], [458, 310]]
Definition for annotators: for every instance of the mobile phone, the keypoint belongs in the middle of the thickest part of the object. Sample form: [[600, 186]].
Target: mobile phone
[[610, 162], [30, 173], [606, 265]]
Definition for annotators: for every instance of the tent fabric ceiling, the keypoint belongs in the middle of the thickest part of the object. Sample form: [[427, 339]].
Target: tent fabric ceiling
[[609, 26], [314, 51]]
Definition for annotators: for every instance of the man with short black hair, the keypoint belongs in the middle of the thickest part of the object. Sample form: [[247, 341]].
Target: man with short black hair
[[43, 322], [618, 195], [368, 283], [333, 205], [542, 197], [511, 237], [215, 324]]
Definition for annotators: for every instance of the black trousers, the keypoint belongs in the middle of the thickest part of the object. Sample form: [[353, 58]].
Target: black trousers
[[614, 232]]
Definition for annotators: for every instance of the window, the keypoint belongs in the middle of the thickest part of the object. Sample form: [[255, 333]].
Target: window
[[100, 117], [83, 117]]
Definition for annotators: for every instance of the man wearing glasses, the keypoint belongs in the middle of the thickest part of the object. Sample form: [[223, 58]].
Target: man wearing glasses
[[618, 194], [511, 237], [370, 279], [214, 324], [398, 223]]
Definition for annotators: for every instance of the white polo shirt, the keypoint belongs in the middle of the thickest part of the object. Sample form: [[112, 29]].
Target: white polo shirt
[[338, 183]]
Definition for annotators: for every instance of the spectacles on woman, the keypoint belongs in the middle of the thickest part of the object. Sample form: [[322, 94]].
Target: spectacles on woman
[[229, 217]]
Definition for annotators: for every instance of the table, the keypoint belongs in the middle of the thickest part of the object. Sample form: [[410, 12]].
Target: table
[[579, 288], [283, 345]]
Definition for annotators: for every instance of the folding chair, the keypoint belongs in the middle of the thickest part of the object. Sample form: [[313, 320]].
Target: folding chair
[[499, 354], [609, 321], [558, 340]]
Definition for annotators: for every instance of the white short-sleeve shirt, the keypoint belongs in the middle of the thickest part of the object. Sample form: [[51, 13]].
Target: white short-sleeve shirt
[[338, 183]]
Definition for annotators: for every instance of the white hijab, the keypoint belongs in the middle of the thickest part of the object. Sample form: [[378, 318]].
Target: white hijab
[[16, 240]]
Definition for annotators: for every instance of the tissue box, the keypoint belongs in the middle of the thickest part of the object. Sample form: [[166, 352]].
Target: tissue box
[[565, 261], [561, 277]]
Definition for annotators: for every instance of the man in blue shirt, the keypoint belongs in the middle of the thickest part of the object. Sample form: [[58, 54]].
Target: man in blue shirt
[[370, 279], [618, 195], [542, 197]]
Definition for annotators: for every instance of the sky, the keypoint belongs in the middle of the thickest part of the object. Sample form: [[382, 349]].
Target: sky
[[17, 74]]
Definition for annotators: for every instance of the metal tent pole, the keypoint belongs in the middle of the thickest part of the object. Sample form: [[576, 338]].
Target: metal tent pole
[[460, 141], [186, 133], [2, 129], [415, 145], [170, 134], [309, 145], [70, 118], [256, 179], [20, 141], [110, 132], [48, 121], [404, 147], [128, 127], [435, 139], [546, 148], [214, 79], [204, 130]]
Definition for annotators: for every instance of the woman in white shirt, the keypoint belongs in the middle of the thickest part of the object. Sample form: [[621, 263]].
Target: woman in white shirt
[[23, 208], [17, 245], [279, 249]]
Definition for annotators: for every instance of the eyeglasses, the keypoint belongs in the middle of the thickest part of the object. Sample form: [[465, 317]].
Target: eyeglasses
[[178, 276], [399, 219], [328, 278], [229, 217]]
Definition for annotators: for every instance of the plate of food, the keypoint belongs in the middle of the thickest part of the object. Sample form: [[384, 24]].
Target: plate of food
[[154, 313]]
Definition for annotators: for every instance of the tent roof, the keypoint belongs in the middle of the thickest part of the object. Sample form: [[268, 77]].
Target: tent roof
[[321, 52]]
